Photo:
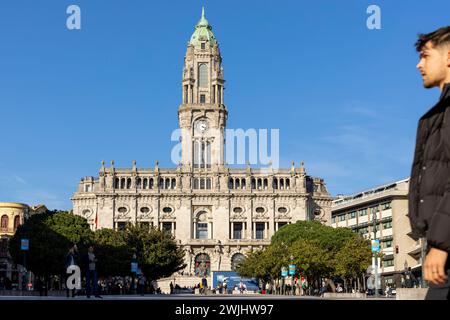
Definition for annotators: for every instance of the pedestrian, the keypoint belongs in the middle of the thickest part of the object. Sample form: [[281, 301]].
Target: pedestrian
[[71, 260], [225, 285], [141, 284], [90, 263], [429, 190], [171, 287], [204, 285]]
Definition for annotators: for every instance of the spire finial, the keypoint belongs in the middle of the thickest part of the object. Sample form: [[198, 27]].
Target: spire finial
[[203, 12]]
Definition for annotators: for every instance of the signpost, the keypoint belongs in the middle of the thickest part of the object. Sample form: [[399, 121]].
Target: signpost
[[24, 246]]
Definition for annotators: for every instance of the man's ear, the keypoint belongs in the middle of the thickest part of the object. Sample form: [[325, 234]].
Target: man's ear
[[448, 58]]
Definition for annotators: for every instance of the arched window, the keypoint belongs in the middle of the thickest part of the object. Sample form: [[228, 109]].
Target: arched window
[[230, 183], [265, 183], [16, 222], [237, 184], [281, 183], [167, 185], [202, 226], [259, 184], [173, 184], [138, 183], [208, 184], [116, 183], [128, 183], [236, 260], [161, 183], [253, 183], [145, 183], [288, 182], [275, 183], [4, 223], [202, 265], [203, 75], [151, 183], [122, 183], [196, 185], [202, 183]]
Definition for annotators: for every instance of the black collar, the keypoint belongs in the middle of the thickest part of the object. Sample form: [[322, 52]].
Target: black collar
[[445, 91]]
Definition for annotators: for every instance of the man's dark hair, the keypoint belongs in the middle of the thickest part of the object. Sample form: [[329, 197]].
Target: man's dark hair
[[439, 37]]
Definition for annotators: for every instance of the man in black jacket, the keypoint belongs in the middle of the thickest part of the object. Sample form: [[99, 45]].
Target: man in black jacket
[[429, 192]]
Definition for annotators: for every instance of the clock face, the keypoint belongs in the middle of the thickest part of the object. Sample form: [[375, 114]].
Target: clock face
[[201, 126]]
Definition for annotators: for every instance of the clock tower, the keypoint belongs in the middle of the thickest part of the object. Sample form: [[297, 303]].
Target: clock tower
[[202, 115]]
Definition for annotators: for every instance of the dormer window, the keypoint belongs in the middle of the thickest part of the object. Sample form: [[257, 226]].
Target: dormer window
[[203, 45]]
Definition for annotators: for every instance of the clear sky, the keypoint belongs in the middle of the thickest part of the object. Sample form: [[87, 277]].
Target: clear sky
[[345, 98]]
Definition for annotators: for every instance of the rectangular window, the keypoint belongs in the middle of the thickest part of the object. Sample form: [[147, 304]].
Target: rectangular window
[[373, 209], [352, 214], [203, 46], [386, 205], [87, 188], [342, 217], [237, 230], [202, 98], [333, 220], [202, 231], [167, 227], [363, 212], [121, 226], [387, 244], [260, 226], [387, 225], [388, 263]]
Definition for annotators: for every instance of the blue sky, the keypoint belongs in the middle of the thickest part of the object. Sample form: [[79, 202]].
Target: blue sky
[[345, 98]]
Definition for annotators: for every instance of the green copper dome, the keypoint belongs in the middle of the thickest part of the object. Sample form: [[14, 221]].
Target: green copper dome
[[203, 31]]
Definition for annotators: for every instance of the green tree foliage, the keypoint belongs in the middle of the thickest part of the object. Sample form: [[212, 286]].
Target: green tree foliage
[[157, 253], [51, 234], [112, 252], [316, 250]]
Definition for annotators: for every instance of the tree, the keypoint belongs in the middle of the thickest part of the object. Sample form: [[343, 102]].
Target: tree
[[352, 260], [51, 234], [317, 250], [157, 253], [113, 253]]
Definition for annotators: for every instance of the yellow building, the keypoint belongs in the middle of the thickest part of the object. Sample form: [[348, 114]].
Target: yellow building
[[12, 215]]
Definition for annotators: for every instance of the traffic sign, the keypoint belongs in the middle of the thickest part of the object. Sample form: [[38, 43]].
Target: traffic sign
[[375, 245], [24, 244], [284, 272], [134, 267]]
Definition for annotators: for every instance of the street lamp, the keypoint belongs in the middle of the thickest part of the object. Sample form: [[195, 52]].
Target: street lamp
[[375, 253]]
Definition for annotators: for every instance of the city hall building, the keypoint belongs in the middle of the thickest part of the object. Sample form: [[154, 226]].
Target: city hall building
[[215, 212]]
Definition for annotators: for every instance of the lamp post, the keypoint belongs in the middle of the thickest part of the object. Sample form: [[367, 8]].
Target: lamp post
[[375, 253]]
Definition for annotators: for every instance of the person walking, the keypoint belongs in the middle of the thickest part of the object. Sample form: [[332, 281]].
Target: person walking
[[90, 262], [429, 190], [141, 284], [71, 260]]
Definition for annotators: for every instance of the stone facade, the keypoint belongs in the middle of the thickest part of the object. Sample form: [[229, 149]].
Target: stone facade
[[216, 213]]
